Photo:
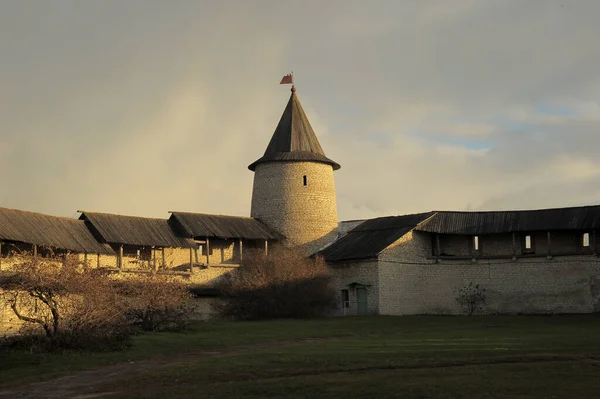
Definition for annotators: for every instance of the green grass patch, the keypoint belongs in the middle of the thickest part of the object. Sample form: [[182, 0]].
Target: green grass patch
[[420, 356]]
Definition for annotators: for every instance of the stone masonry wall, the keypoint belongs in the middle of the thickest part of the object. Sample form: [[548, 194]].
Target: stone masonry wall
[[306, 215], [409, 283], [345, 273]]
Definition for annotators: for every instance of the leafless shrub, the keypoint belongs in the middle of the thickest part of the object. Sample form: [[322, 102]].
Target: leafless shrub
[[73, 307], [285, 284], [155, 302], [471, 298]]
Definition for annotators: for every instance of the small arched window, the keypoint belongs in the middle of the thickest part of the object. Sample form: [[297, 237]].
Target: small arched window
[[304, 180]]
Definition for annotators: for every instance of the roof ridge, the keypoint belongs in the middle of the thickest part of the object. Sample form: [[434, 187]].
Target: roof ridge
[[213, 214], [522, 210], [121, 215], [40, 213]]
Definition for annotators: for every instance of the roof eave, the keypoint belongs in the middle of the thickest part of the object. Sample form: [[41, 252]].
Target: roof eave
[[333, 164]]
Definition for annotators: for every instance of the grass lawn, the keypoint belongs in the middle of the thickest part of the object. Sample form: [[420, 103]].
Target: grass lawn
[[384, 357]]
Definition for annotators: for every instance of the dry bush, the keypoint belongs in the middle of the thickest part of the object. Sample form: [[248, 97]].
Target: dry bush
[[471, 298], [74, 308], [155, 302], [285, 284]]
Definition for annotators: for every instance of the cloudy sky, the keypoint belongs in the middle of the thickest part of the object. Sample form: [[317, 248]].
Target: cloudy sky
[[141, 107]]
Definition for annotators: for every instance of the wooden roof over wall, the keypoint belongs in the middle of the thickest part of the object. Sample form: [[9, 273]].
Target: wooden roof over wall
[[137, 231], [200, 225], [371, 237], [49, 231], [481, 223]]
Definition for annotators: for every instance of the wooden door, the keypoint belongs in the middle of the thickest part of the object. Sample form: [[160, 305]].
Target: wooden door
[[361, 300]]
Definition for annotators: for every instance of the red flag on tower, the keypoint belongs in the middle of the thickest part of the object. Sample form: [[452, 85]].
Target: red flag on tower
[[287, 79]]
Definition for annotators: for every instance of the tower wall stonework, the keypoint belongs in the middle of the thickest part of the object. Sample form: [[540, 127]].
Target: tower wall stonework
[[305, 214]]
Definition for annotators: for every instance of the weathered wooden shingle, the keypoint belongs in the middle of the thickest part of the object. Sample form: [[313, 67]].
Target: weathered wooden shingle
[[294, 139], [371, 237], [49, 231], [219, 226], [134, 230], [481, 223]]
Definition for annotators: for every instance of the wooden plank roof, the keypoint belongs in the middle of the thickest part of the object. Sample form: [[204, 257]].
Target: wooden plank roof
[[495, 222], [49, 231], [138, 231], [294, 139], [220, 226], [371, 237]]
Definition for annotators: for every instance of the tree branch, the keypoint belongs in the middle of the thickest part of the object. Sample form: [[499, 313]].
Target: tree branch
[[13, 306]]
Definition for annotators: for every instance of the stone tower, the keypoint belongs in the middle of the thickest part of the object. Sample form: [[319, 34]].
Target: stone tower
[[294, 191]]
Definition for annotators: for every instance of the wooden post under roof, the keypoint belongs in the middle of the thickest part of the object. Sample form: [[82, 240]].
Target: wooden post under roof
[[98, 260], [593, 240], [85, 261], [154, 259], [266, 247], [438, 246], [120, 258], [241, 250], [0, 254], [207, 252], [191, 260], [549, 244], [164, 264]]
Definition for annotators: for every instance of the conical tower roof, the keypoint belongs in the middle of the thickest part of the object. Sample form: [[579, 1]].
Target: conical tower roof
[[294, 139]]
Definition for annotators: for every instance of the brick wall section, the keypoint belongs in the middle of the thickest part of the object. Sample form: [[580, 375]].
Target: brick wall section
[[363, 271], [409, 283], [306, 215]]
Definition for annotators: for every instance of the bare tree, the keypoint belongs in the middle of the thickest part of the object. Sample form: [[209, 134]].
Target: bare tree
[[155, 301], [69, 304], [285, 284], [471, 298]]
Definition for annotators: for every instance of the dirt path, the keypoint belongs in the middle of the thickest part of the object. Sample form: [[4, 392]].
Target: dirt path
[[86, 384], [74, 385]]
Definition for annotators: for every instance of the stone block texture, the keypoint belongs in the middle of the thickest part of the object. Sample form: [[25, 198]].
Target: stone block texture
[[345, 273], [305, 213], [410, 282]]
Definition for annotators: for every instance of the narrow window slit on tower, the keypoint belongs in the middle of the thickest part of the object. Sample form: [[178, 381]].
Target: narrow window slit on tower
[[304, 180]]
